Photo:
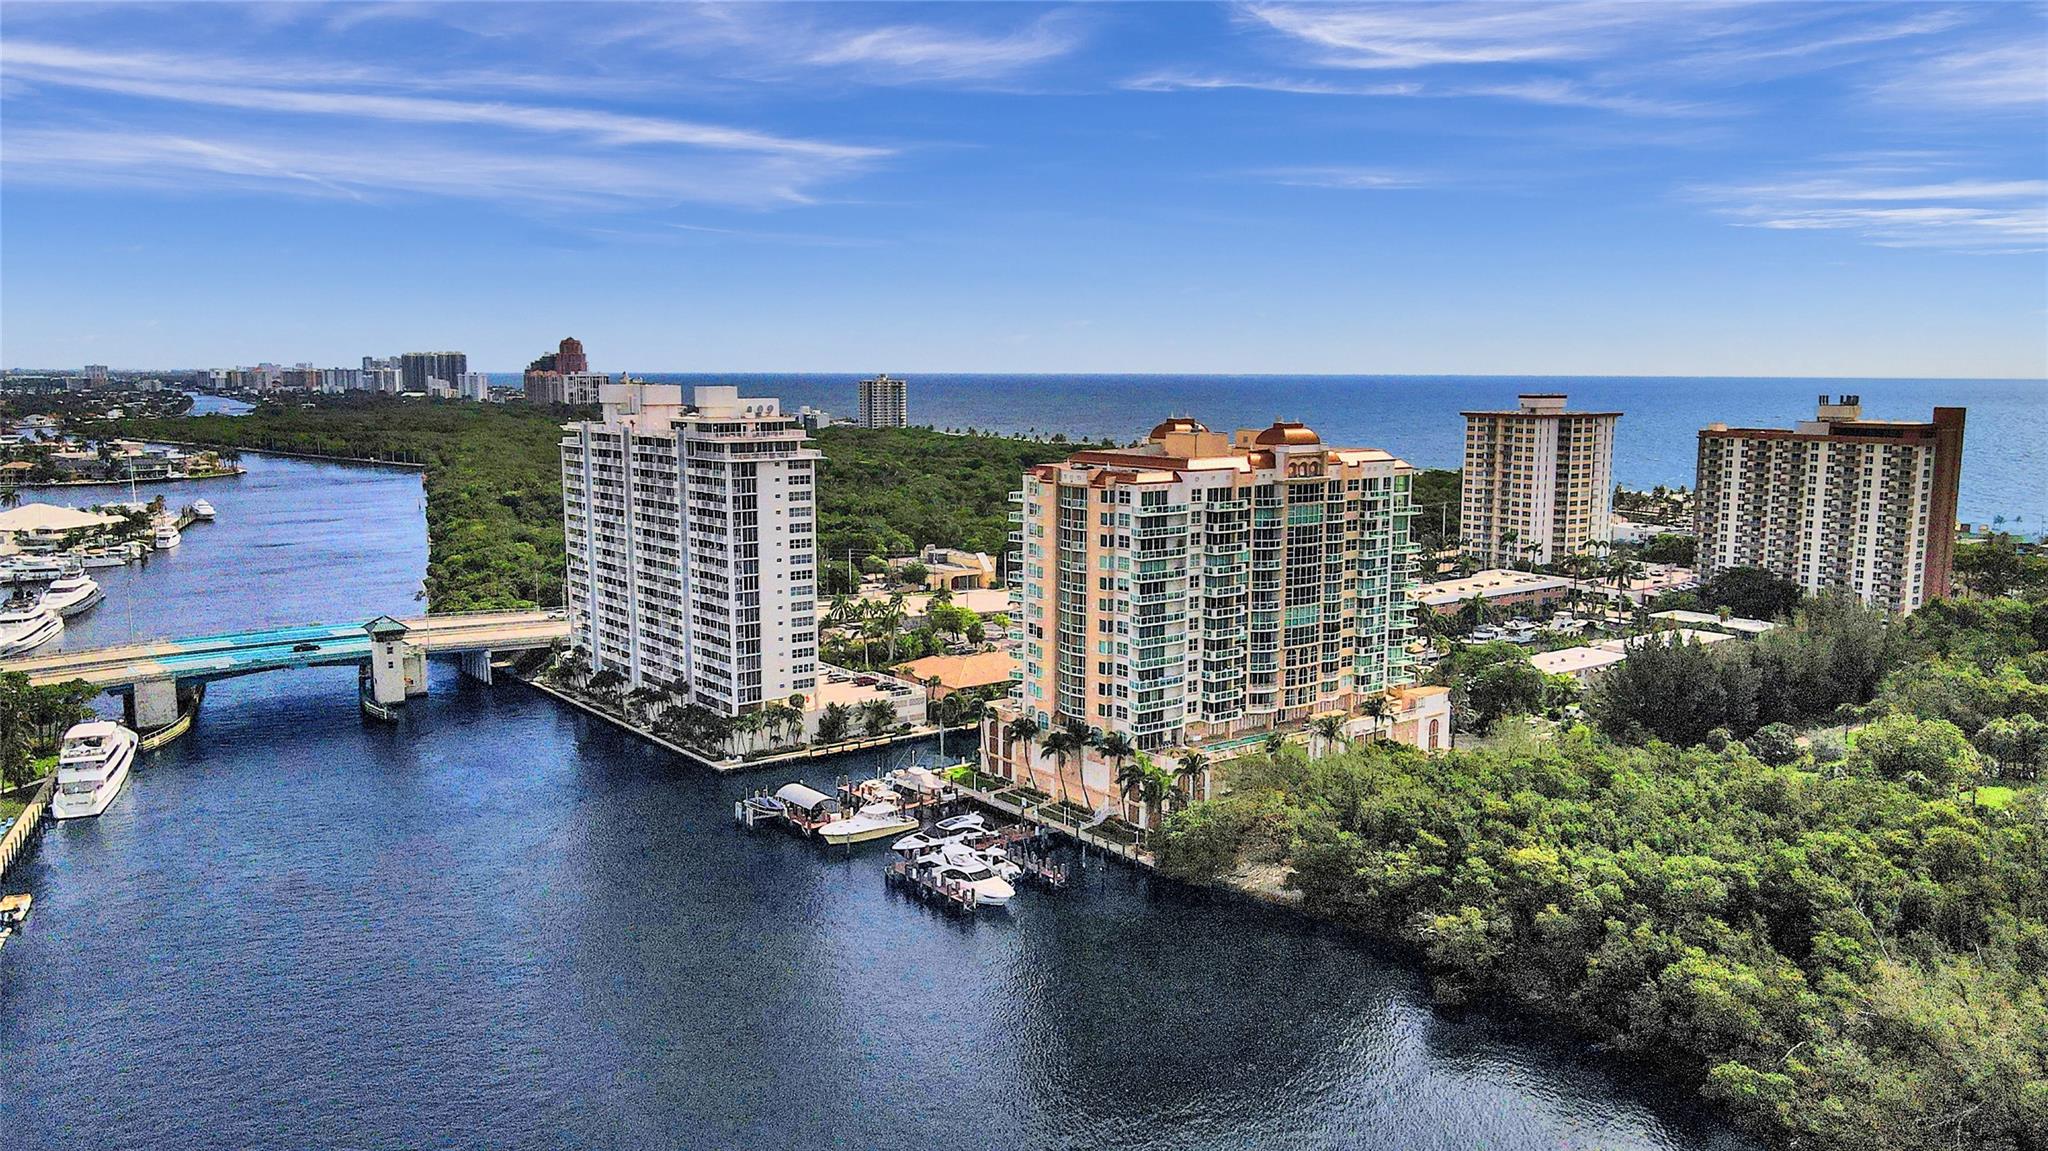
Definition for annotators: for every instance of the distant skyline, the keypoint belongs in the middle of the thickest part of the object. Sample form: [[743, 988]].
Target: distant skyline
[[1580, 189]]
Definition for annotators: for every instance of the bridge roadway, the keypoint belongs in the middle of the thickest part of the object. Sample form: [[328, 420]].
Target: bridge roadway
[[243, 653]]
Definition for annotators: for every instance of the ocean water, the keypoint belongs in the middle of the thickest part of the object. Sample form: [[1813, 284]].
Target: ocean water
[[2005, 454]]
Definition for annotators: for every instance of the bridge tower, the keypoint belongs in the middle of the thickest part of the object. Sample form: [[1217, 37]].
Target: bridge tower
[[397, 669]]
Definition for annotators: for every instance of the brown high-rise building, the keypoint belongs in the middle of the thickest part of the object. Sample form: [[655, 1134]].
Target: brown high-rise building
[[1837, 503], [569, 358], [563, 376]]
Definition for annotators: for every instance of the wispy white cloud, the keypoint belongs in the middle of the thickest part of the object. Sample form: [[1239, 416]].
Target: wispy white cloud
[[126, 76], [368, 170], [1383, 36], [2010, 77], [1348, 178], [927, 53], [1964, 214]]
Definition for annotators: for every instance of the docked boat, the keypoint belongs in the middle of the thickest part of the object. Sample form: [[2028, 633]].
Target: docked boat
[[167, 535], [108, 557], [91, 768], [990, 889], [881, 819], [26, 627], [945, 831], [969, 856], [32, 569], [71, 594], [202, 510]]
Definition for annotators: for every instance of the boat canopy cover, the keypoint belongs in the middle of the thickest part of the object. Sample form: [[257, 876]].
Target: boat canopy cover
[[808, 798]]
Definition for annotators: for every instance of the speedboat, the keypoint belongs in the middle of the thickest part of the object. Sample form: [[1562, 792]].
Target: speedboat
[[71, 594], [26, 627], [955, 829], [91, 768], [990, 889], [943, 832], [878, 820], [960, 853], [202, 510], [167, 536]]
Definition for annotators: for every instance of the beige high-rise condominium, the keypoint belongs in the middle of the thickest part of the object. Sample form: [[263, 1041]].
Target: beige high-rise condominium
[[1200, 590], [1538, 481], [1837, 502]]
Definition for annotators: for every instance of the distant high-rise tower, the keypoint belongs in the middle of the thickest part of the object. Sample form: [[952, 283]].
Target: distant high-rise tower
[[884, 403], [1539, 481], [569, 358], [418, 368]]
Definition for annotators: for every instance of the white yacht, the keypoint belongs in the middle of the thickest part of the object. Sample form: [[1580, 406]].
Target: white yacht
[[91, 768], [966, 856], [26, 627], [167, 536], [202, 510], [70, 594], [943, 832], [990, 889], [878, 820]]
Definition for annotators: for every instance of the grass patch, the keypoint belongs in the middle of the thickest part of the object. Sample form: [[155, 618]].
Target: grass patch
[[1996, 797]]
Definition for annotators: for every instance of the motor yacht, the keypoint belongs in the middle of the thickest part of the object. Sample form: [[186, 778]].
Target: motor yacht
[[70, 594], [990, 889], [966, 856], [32, 569], [878, 820], [91, 768], [167, 535], [943, 832], [26, 627], [202, 510]]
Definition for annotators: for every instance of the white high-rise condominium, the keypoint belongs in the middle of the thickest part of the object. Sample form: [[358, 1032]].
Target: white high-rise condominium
[[1539, 481], [1836, 503], [692, 544], [884, 403]]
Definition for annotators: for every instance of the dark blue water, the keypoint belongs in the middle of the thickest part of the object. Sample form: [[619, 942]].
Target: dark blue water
[[2005, 457], [500, 925]]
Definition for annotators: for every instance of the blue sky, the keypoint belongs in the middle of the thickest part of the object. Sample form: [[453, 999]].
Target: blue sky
[[1598, 188]]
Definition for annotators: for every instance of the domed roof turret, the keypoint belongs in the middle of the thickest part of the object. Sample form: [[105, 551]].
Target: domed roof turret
[[1177, 424], [1291, 434]]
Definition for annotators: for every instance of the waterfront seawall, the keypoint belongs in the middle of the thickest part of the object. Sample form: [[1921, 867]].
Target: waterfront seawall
[[19, 835]]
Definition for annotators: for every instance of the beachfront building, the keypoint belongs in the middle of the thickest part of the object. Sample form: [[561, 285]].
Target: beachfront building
[[884, 403], [1202, 590], [691, 535], [1837, 502], [1538, 481]]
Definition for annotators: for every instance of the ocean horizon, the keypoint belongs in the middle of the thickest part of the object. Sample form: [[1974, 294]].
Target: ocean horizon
[[2005, 463]]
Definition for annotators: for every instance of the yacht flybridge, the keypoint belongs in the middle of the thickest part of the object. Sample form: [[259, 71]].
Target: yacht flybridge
[[91, 768]]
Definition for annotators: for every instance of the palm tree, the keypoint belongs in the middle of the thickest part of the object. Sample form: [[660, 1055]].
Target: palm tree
[[876, 717], [1023, 732], [10, 497], [1329, 733], [1192, 767], [844, 610], [1116, 748], [1376, 707], [1071, 740], [749, 724], [1130, 778]]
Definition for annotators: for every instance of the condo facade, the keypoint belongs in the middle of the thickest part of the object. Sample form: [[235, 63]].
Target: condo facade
[[1201, 590], [1538, 481], [691, 532], [1836, 503], [884, 403]]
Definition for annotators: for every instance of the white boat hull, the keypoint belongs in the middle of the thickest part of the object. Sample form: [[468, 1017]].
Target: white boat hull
[[87, 805], [76, 604], [26, 641]]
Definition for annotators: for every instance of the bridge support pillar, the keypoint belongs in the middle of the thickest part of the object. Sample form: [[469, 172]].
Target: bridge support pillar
[[476, 665], [153, 704]]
